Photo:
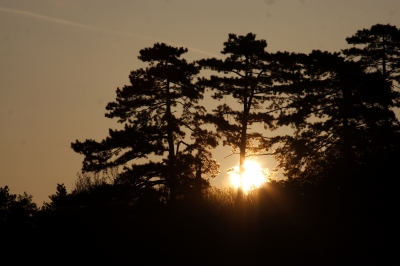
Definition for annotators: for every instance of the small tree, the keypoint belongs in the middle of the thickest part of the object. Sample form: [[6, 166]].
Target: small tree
[[15, 209], [60, 199]]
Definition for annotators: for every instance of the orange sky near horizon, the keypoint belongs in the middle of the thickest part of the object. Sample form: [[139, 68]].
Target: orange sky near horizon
[[62, 60]]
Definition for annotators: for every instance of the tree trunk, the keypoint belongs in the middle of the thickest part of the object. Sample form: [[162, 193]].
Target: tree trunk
[[198, 181], [171, 182], [243, 137]]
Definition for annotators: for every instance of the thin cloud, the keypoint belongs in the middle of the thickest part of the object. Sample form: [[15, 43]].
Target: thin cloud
[[87, 27]]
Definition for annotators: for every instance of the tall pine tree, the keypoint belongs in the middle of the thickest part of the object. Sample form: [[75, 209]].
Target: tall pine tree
[[249, 77], [158, 109], [338, 116], [378, 51]]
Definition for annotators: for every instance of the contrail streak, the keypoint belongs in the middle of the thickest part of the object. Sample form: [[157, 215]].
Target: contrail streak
[[69, 23], [87, 27]]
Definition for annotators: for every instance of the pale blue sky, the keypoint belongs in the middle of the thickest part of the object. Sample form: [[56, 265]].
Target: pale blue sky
[[61, 61]]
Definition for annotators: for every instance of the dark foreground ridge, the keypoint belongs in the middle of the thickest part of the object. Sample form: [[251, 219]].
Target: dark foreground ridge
[[274, 225]]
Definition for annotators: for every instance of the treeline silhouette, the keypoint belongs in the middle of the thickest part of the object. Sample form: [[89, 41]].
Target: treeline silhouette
[[339, 203]]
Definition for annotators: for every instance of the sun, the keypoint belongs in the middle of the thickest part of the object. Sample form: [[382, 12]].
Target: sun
[[253, 177]]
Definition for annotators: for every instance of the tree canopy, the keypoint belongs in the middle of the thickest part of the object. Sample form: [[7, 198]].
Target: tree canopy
[[339, 107], [377, 49]]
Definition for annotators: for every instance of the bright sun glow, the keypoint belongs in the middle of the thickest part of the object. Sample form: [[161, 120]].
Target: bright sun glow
[[253, 177]]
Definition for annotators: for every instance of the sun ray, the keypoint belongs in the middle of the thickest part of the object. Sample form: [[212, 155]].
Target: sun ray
[[253, 176]]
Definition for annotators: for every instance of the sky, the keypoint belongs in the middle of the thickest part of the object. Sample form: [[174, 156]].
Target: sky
[[62, 60]]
